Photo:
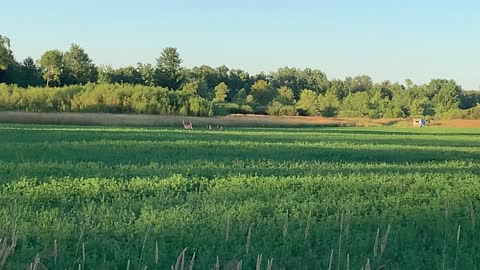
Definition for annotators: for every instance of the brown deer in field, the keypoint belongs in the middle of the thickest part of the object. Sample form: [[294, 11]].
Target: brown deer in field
[[187, 125]]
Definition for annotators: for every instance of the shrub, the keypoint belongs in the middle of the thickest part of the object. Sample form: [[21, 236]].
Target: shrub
[[277, 108], [454, 114]]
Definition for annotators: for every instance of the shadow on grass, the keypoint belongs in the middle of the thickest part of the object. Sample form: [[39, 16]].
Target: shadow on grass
[[353, 136], [13, 171], [146, 152]]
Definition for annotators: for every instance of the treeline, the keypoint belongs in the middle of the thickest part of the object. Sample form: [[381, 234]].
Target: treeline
[[70, 81]]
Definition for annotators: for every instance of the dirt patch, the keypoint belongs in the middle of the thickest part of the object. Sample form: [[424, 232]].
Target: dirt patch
[[459, 123]]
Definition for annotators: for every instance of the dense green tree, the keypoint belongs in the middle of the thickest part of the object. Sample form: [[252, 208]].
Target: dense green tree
[[241, 97], [147, 73], [399, 104], [379, 101], [316, 80], [285, 96], [222, 73], [221, 91], [417, 101], [78, 67], [283, 103], [169, 67], [338, 87], [358, 84], [23, 74], [198, 106], [51, 64], [129, 75], [329, 104], [30, 74], [297, 80], [356, 105], [420, 107], [308, 103], [6, 57], [447, 96], [474, 112], [191, 88], [208, 78], [279, 109], [238, 79], [262, 92], [6, 54], [469, 99], [211, 77], [290, 77], [260, 77], [106, 74], [433, 87]]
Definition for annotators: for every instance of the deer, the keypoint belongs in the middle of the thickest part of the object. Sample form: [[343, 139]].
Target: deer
[[187, 125]]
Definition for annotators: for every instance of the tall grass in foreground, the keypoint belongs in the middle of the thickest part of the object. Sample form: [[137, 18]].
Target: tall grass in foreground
[[186, 258]]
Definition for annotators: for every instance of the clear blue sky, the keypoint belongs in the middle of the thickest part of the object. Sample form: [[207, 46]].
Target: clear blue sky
[[394, 40]]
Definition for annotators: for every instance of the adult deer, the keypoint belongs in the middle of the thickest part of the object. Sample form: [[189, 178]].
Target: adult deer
[[187, 125]]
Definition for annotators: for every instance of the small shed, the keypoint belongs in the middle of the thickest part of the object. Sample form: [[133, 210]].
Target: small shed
[[419, 122]]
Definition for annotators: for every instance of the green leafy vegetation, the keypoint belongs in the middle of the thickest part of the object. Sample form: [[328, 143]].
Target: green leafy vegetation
[[167, 87], [105, 198]]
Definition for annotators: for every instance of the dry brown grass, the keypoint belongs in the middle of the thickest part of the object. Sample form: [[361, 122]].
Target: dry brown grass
[[106, 119], [6, 248]]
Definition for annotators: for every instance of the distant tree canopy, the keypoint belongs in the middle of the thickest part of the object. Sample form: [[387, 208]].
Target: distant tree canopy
[[167, 87], [51, 63], [78, 67], [6, 55]]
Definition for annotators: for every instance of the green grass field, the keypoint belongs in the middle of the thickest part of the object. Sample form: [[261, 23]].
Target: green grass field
[[312, 198]]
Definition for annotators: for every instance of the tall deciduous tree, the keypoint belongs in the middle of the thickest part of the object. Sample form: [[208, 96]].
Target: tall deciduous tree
[[208, 78], [221, 91], [78, 67], [307, 104], [128, 75], [169, 66], [447, 96], [283, 103], [316, 80], [356, 105], [238, 79], [6, 54], [329, 103], [147, 71], [51, 64], [285, 96], [30, 75], [262, 93], [358, 84], [292, 78], [241, 97]]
